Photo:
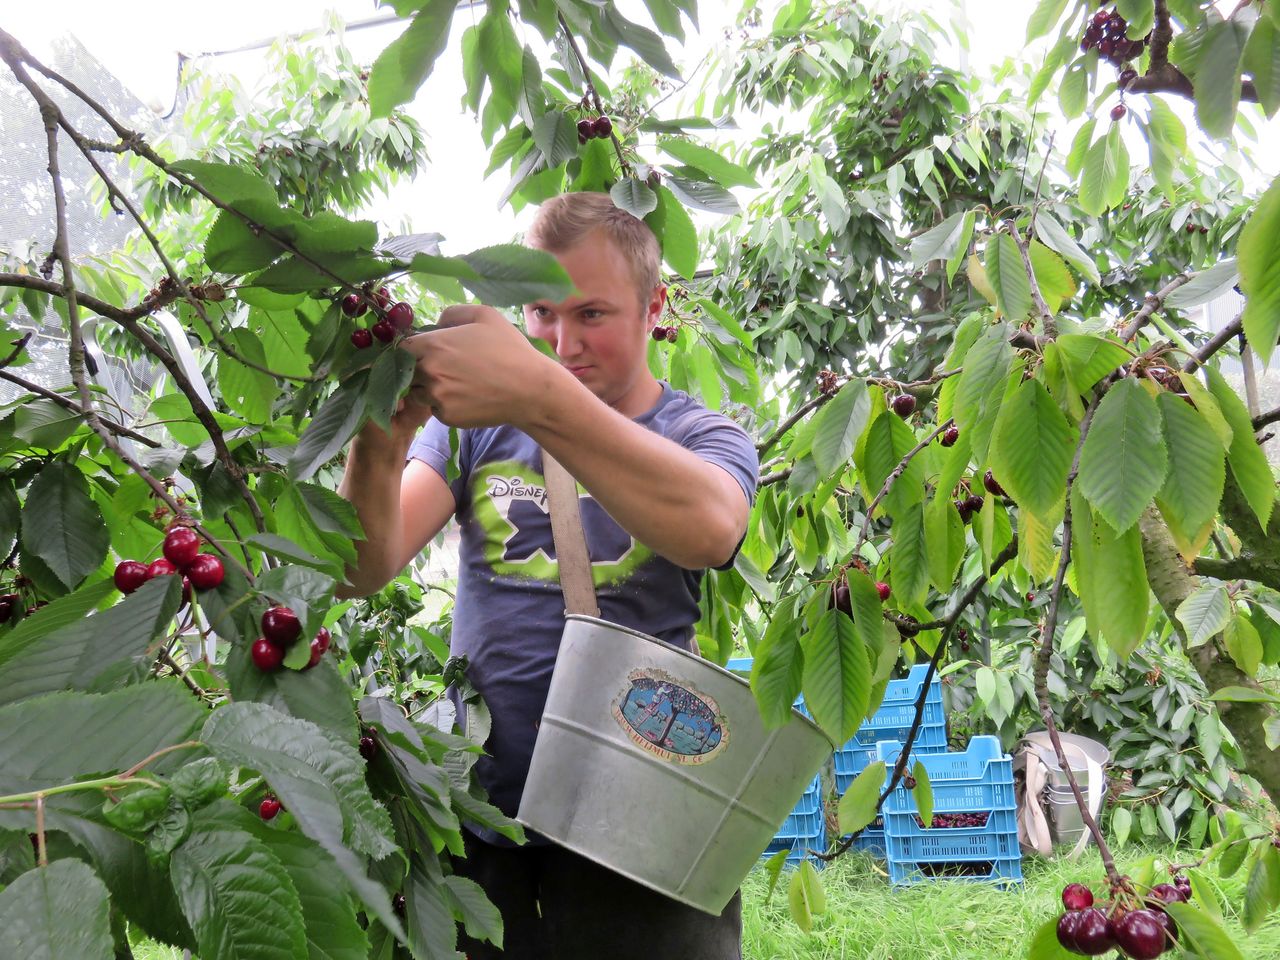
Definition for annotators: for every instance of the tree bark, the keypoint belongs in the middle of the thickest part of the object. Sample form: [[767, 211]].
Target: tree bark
[[1172, 582]]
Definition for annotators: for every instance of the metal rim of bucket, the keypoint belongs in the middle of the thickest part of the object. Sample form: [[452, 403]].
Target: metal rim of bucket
[[795, 714]]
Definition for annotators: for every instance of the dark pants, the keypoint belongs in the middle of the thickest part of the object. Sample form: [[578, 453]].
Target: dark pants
[[557, 905]]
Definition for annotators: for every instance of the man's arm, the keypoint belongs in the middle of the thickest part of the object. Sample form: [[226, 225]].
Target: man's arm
[[401, 507], [688, 510]]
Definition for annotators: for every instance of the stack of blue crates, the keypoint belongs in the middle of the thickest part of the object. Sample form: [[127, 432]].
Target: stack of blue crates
[[892, 722], [978, 782], [806, 826]]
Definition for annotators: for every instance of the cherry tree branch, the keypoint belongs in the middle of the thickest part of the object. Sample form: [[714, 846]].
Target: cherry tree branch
[[1151, 303], [1045, 653], [69, 404], [1164, 77], [894, 474], [100, 307], [1046, 315], [813, 404], [1214, 344]]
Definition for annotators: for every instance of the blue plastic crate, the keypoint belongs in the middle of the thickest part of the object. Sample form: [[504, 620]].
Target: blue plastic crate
[[806, 817], [1003, 872], [856, 755], [998, 840], [798, 848], [981, 778], [871, 840], [898, 708]]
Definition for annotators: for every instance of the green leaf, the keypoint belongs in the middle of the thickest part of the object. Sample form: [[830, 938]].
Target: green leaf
[[1197, 470], [480, 918], [406, 62], [1243, 695], [1008, 276], [1243, 643], [678, 236], [1248, 463], [887, 444], [1079, 148], [909, 565], [806, 897], [62, 525], [1217, 77], [944, 541], [837, 675], [1073, 89], [232, 183], [298, 275], [1086, 359], [717, 167], [1111, 578], [641, 39], [838, 425], [1262, 890], [1031, 448], [1260, 273], [1057, 286], [1106, 173], [1123, 463], [334, 424], [1200, 935], [858, 805], [10, 514], [1044, 17], [1205, 286], [556, 135], [319, 694], [634, 196], [1167, 141], [232, 247], [778, 669], [236, 894], [943, 241], [70, 736], [1262, 62], [107, 647], [56, 913], [922, 793], [247, 391], [1205, 613], [505, 275], [981, 388], [1121, 824], [389, 378], [704, 196], [318, 778]]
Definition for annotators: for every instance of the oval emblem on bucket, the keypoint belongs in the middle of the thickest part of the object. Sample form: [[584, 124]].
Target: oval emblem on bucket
[[670, 720]]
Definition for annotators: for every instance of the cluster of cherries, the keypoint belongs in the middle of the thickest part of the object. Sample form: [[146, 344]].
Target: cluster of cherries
[[391, 319], [1143, 933], [281, 628], [669, 334], [828, 382], [842, 601], [600, 127], [1106, 33], [951, 821], [182, 554]]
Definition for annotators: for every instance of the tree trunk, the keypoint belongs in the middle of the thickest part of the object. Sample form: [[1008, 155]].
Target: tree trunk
[[1172, 582]]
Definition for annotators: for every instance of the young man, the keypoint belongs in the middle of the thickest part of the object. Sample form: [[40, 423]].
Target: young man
[[668, 487]]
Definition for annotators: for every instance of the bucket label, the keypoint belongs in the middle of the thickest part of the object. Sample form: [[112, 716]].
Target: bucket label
[[669, 720]]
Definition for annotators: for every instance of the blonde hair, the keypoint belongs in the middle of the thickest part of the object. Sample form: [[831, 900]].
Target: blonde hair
[[565, 221]]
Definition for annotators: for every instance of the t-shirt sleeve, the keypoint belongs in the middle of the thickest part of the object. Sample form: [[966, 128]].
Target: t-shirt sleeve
[[717, 439], [431, 446]]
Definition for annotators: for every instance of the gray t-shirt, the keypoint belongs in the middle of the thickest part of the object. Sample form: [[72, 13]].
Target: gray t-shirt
[[509, 610]]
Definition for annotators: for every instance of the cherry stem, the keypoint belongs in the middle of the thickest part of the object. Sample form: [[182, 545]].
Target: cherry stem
[[42, 854], [592, 92], [114, 782]]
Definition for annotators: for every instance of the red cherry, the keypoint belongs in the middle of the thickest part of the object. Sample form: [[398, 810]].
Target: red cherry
[[181, 544], [323, 638], [1094, 935], [381, 299], [840, 598], [658, 333], [1168, 893], [361, 338], [368, 747], [401, 316], [205, 571], [281, 626], [950, 436], [602, 127], [161, 568], [266, 655], [268, 808], [673, 334], [353, 305], [992, 486], [1140, 934], [1118, 111], [7, 604], [318, 646], [904, 404], [130, 575], [883, 589], [1076, 896], [384, 331]]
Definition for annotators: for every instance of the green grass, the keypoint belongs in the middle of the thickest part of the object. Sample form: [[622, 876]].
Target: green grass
[[947, 920]]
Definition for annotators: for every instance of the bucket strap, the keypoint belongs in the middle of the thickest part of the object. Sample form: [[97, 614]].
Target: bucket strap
[[570, 540]]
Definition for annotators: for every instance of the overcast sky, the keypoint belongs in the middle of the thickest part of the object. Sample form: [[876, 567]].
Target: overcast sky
[[139, 40]]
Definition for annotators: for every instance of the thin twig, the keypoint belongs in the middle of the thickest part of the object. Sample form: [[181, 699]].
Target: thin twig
[[772, 478], [1046, 315], [948, 623], [1151, 303], [894, 474], [69, 404], [18, 346], [167, 659], [763, 446], [42, 853], [1045, 654]]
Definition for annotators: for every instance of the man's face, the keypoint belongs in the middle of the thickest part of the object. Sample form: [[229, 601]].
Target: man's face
[[601, 332]]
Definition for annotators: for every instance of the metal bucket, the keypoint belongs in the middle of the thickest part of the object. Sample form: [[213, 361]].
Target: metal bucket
[[1066, 825], [656, 764]]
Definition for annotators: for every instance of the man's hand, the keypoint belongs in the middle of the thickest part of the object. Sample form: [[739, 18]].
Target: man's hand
[[477, 370]]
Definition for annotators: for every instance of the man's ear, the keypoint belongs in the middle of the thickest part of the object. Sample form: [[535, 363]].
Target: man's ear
[[657, 303]]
